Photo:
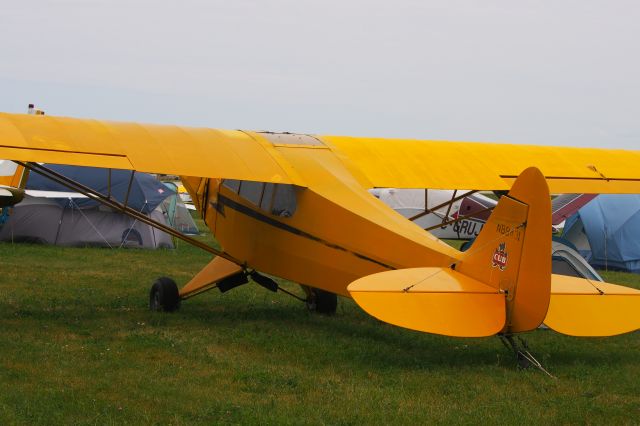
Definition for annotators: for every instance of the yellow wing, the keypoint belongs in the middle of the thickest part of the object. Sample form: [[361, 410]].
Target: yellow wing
[[260, 157], [396, 163], [141, 147]]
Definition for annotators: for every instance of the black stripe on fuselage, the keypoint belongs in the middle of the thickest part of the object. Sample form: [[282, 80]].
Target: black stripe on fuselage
[[225, 201]]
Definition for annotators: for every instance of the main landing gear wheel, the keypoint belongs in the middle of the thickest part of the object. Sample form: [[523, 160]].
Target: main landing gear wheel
[[321, 301], [164, 295]]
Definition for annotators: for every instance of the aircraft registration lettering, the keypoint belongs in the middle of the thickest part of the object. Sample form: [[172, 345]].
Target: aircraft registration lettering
[[469, 228], [509, 231]]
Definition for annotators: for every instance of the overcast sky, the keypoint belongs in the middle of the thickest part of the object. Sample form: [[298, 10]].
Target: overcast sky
[[543, 72]]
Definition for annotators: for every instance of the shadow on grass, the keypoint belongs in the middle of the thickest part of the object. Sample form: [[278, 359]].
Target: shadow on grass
[[401, 348], [351, 339]]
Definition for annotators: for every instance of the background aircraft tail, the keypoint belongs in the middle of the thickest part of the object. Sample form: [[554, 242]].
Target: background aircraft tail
[[13, 179], [11, 174]]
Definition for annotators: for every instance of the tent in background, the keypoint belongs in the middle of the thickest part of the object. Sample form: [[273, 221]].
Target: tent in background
[[70, 219], [177, 213], [565, 260], [606, 232], [44, 221], [145, 195]]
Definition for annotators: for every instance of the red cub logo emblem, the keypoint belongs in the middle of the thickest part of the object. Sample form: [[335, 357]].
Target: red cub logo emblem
[[499, 259]]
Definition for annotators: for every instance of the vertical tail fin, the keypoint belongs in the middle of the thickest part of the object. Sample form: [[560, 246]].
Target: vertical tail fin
[[511, 253], [11, 174]]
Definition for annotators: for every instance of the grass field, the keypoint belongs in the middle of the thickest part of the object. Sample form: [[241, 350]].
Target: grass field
[[78, 345]]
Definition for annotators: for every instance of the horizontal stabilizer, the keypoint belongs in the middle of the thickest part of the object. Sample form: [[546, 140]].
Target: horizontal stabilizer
[[432, 300], [580, 307]]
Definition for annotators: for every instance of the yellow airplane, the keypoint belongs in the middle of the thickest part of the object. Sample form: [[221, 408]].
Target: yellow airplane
[[297, 206]]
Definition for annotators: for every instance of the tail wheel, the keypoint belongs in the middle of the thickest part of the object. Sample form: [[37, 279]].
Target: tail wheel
[[164, 295], [321, 301]]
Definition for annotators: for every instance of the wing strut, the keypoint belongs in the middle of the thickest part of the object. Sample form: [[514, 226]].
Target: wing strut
[[446, 216], [110, 202], [439, 206]]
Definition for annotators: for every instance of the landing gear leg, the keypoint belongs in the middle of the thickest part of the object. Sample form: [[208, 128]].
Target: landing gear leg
[[521, 350]]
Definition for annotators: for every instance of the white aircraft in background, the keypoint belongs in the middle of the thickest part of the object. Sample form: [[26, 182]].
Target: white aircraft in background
[[461, 214]]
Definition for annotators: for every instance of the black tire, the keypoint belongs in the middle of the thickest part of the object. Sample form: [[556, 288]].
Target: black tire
[[322, 302], [164, 295]]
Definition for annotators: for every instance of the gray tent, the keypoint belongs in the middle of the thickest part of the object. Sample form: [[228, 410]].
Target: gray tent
[[565, 260], [606, 232], [46, 221], [177, 213]]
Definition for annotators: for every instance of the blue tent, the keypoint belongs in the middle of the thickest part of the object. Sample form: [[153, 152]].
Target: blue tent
[[146, 191], [606, 232]]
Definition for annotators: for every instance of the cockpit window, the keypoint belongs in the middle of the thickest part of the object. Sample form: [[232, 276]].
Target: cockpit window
[[251, 191], [293, 139], [275, 198], [284, 201], [267, 197], [232, 184]]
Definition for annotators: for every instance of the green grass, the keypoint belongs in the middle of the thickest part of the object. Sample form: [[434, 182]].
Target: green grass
[[78, 345]]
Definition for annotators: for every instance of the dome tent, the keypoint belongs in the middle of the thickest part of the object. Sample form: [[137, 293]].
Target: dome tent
[[145, 194], [177, 213], [49, 215], [606, 232]]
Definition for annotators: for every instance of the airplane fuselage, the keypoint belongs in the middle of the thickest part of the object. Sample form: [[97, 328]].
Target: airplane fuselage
[[276, 229]]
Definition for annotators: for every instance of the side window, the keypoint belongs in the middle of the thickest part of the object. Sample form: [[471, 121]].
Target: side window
[[275, 198], [284, 200], [232, 184], [251, 191], [267, 197]]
